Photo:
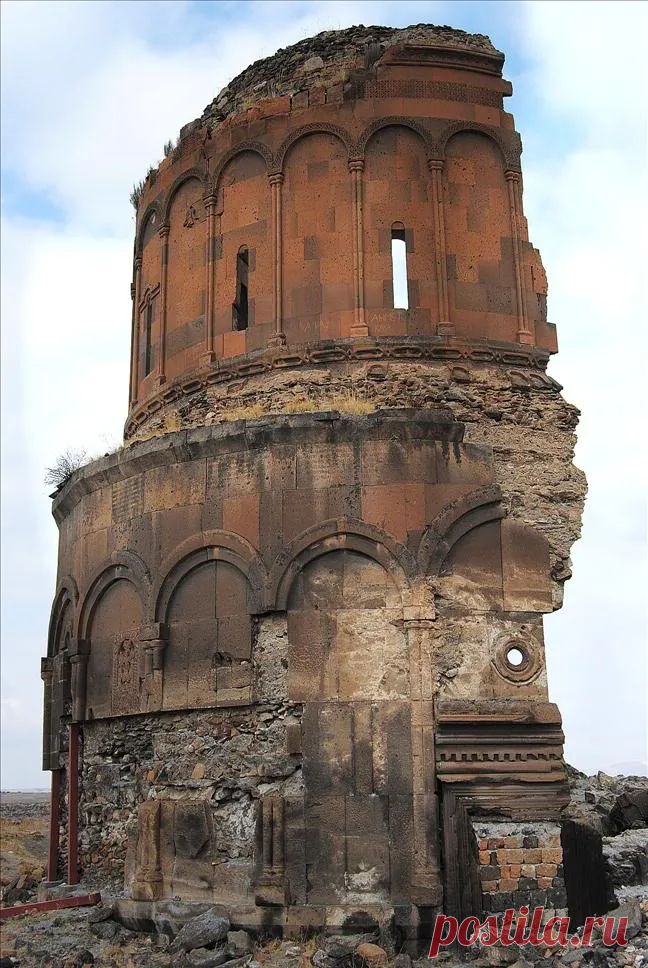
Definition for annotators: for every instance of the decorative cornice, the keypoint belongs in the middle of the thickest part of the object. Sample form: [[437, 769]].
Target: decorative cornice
[[435, 349], [238, 435]]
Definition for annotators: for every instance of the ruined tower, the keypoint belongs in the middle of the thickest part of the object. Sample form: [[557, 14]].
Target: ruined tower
[[296, 659]]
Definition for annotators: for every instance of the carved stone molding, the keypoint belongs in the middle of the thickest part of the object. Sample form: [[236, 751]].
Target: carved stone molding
[[442, 349]]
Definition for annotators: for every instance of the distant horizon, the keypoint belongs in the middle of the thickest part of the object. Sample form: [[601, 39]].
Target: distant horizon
[[605, 772]]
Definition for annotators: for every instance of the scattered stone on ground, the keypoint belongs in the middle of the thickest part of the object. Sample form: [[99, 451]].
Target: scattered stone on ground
[[103, 937]]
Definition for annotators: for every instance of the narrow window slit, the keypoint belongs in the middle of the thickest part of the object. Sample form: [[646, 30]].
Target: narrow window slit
[[399, 266], [240, 306]]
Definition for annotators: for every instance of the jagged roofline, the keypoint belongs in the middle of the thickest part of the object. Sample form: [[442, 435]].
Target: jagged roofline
[[335, 46]]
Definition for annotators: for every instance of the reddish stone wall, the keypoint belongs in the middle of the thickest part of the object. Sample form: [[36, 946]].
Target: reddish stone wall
[[312, 186], [521, 864]]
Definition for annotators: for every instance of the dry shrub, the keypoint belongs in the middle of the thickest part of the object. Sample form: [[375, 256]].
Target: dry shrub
[[245, 413], [64, 467]]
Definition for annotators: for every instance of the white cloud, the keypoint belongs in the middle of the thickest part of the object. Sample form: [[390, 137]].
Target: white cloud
[[584, 195]]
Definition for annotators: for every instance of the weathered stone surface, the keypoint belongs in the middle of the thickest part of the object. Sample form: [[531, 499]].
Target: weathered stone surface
[[626, 857], [631, 910], [371, 954], [206, 929], [299, 624]]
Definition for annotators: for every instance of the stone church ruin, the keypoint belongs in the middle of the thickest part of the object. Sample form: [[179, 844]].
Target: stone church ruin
[[295, 661]]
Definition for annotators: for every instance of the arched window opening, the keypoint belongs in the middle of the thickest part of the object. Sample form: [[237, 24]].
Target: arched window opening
[[240, 306], [399, 266]]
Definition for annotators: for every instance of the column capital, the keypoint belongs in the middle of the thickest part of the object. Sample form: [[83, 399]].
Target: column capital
[[356, 164], [163, 231], [512, 176], [436, 164], [138, 262], [276, 177], [47, 669], [210, 200], [78, 649]]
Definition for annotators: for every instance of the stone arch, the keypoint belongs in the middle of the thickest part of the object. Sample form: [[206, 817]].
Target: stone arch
[[122, 565], [211, 587], [195, 172], [338, 535], [243, 222], [303, 132], [255, 146], [359, 149], [456, 520], [67, 597], [154, 208], [317, 232], [195, 551], [509, 158], [400, 298]]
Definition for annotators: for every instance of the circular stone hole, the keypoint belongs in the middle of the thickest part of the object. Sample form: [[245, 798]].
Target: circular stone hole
[[515, 657]]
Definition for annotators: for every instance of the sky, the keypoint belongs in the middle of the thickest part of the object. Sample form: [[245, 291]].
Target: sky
[[90, 93]]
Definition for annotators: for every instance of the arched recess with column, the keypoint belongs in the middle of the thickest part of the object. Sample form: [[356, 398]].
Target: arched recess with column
[[348, 663], [147, 292], [211, 587], [318, 283], [185, 291], [343, 592], [55, 671], [244, 225], [61, 624], [397, 193], [110, 619], [480, 248]]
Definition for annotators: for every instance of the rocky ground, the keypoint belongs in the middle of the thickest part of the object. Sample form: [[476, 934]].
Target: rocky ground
[[23, 844], [110, 936]]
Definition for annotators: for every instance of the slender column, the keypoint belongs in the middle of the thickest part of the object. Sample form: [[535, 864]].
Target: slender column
[[47, 675], [210, 206], [276, 181], [135, 295], [53, 845], [164, 236], [426, 881], [359, 328], [79, 662], [267, 804], [445, 327], [73, 805], [278, 836], [524, 334]]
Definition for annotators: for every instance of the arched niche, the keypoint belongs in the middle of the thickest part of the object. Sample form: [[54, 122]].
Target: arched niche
[[479, 247], [57, 678], [471, 573], [318, 284], [148, 308], [345, 643], [397, 193], [186, 278], [208, 656], [113, 671], [244, 224]]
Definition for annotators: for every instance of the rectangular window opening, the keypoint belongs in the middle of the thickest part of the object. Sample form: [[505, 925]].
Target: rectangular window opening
[[399, 268], [240, 306]]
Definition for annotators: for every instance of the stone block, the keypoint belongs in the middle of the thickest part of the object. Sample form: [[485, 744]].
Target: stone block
[[526, 569]]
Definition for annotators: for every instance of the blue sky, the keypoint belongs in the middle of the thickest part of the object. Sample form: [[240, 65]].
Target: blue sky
[[90, 93]]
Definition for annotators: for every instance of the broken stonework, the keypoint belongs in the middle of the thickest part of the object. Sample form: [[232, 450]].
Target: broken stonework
[[296, 657]]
